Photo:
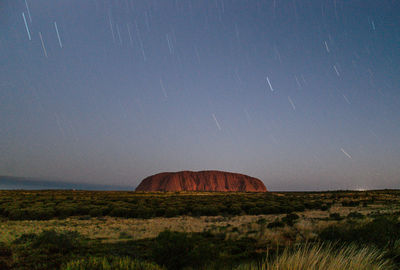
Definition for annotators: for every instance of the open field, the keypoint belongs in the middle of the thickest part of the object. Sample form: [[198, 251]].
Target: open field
[[239, 228]]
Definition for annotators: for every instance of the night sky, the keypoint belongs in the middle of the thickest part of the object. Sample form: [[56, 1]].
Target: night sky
[[304, 95]]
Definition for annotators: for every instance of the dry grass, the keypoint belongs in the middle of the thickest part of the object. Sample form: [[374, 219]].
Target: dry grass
[[325, 257], [111, 229], [104, 263]]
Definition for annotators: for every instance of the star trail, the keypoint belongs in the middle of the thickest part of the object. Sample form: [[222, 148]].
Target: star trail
[[304, 95]]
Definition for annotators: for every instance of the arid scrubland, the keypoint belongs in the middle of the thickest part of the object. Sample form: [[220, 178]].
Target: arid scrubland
[[308, 223], [284, 222]]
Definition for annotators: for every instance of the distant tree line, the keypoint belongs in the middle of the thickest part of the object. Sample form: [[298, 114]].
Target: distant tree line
[[43, 205]]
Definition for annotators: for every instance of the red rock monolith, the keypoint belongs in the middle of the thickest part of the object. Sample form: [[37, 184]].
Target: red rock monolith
[[201, 181]]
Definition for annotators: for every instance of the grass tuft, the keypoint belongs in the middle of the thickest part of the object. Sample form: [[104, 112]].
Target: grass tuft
[[326, 257]]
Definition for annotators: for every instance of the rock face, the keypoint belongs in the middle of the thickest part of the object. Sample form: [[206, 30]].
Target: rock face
[[201, 181]]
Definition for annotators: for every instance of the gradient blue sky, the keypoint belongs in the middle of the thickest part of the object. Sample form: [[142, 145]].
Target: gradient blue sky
[[304, 95]]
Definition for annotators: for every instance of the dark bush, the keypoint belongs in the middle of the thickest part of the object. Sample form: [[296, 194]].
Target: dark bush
[[170, 212], [382, 232], [15, 214], [119, 212], [64, 212], [290, 219], [325, 207], [144, 212], [210, 211], [299, 208], [177, 250], [24, 238], [355, 215], [350, 203], [96, 212], [276, 224], [261, 221], [335, 216], [255, 211], [48, 250], [5, 256], [235, 210], [64, 242]]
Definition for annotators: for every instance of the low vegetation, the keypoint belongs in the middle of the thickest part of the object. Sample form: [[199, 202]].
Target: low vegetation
[[326, 257], [109, 263], [326, 231], [44, 205]]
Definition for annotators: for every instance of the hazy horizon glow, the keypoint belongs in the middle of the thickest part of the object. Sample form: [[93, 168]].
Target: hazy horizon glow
[[304, 95]]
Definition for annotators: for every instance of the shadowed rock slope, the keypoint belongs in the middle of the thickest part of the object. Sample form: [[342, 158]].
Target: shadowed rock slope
[[201, 181]]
